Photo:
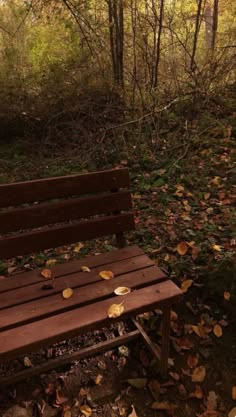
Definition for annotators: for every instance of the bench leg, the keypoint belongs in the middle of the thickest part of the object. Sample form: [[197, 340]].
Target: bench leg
[[165, 341]]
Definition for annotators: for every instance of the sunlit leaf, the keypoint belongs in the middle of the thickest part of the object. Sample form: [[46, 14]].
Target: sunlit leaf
[[86, 410], [122, 290], [46, 273], [138, 383], [106, 274], [115, 310], [78, 247], [67, 293], [199, 374], [185, 285], [85, 269], [217, 330], [182, 248], [50, 262], [217, 248]]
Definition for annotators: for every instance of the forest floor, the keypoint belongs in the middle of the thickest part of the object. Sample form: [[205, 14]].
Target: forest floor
[[185, 221]]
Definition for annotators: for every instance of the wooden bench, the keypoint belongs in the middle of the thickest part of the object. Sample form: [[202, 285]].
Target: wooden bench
[[49, 213]]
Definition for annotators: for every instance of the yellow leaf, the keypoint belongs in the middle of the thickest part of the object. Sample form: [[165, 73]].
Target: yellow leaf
[[46, 273], [106, 274], [115, 310], [217, 248], [51, 262], [234, 393], [185, 285], [199, 374], [85, 269], [182, 248], [215, 181], [200, 330], [98, 379], [86, 410], [67, 293], [217, 330], [78, 247], [122, 290], [227, 295]]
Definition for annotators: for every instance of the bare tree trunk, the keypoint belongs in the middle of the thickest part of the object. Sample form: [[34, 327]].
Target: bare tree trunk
[[158, 46], [214, 23], [116, 28], [197, 28]]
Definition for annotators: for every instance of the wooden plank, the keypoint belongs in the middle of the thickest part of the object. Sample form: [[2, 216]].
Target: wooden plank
[[62, 326], [24, 279], [62, 211], [57, 187], [46, 307], [61, 235], [74, 356], [77, 280]]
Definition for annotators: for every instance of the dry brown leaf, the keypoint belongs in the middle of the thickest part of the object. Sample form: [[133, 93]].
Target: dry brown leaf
[[122, 290], [198, 393], [234, 393], [115, 310], [199, 374], [175, 376], [27, 362], [98, 379], [78, 247], [217, 330], [154, 387], [215, 181], [192, 361], [133, 412], [185, 285], [200, 330], [86, 410], [227, 295], [163, 405], [50, 262], [106, 274], [211, 402], [182, 248], [85, 269], [67, 413], [173, 315], [67, 293], [46, 273]]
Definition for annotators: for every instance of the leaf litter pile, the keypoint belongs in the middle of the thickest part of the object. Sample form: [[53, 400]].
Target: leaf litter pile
[[185, 221]]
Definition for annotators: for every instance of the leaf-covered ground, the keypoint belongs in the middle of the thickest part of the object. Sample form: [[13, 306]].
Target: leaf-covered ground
[[185, 220]]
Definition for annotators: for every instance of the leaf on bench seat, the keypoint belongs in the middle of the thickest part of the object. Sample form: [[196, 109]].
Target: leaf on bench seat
[[115, 310], [85, 269], [106, 274], [67, 293], [46, 273], [122, 290]]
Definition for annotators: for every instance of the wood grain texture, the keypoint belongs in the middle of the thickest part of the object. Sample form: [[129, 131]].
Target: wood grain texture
[[50, 188]]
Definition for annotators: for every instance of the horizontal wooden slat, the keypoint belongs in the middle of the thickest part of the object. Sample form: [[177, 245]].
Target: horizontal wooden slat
[[54, 304], [61, 235], [23, 279], [62, 211], [53, 329], [44, 189], [34, 291]]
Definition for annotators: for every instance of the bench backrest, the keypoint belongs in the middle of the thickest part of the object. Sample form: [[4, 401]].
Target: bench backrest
[[64, 210]]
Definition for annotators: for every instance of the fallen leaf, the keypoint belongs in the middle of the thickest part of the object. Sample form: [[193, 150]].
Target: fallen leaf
[[98, 379], [85, 269], [232, 413], [215, 181], [46, 273], [67, 413], [206, 196], [27, 362], [78, 247], [122, 290], [154, 387], [198, 393], [138, 383], [199, 374], [217, 330], [211, 402], [234, 393], [163, 405], [115, 310], [67, 293], [192, 361], [185, 343], [185, 285], [227, 295], [50, 262], [106, 274], [175, 376], [200, 330], [182, 248], [217, 248], [11, 269], [133, 412], [182, 391], [86, 410], [173, 315]]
